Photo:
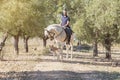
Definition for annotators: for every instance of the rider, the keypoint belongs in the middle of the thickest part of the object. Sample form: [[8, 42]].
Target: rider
[[65, 22]]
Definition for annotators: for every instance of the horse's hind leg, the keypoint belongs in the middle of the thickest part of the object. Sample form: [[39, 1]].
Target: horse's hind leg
[[67, 49]]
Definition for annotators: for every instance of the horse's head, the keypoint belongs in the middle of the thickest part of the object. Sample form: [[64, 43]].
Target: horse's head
[[49, 34]]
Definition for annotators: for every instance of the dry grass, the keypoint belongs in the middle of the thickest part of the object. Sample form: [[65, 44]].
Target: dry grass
[[34, 66]]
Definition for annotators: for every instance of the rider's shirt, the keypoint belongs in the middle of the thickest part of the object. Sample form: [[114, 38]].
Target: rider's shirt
[[64, 20]]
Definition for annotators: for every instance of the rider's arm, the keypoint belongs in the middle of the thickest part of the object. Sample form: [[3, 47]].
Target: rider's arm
[[68, 22]]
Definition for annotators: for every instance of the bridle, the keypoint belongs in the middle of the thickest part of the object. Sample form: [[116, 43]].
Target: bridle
[[51, 34]]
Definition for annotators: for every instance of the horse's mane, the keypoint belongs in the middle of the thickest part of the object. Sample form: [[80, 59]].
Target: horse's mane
[[54, 25]]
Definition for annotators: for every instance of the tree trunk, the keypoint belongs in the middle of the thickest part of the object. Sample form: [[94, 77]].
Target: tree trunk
[[3, 41], [108, 51], [26, 38], [95, 49], [2, 44], [108, 46], [16, 41], [95, 44]]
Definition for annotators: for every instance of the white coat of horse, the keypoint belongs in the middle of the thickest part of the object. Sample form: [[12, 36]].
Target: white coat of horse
[[57, 33]]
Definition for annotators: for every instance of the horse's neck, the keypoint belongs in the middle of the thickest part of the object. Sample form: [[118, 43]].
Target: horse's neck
[[61, 35], [56, 30]]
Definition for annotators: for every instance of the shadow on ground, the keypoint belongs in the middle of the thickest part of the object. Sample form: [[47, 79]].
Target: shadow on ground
[[112, 64], [59, 75], [81, 59]]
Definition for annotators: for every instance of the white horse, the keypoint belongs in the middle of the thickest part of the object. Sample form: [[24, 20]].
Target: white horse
[[57, 33]]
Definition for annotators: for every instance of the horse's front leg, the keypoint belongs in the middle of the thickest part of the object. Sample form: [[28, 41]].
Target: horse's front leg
[[71, 51], [61, 54], [58, 56]]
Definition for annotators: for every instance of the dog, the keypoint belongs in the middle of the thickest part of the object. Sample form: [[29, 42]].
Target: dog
[[55, 51]]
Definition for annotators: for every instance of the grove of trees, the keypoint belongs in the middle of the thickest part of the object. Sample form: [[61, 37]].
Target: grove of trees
[[93, 21]]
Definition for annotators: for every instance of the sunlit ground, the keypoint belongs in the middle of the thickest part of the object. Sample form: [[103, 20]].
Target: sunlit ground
[[35, 66]]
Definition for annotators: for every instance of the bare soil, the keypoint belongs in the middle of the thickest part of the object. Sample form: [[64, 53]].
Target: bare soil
[[34, 66]]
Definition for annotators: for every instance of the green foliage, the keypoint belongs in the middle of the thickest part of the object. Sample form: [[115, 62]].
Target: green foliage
[[90, 19], [24, 16], [98, 18]]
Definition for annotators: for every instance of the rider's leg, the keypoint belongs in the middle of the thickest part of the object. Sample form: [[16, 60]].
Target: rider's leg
[[69, 35]]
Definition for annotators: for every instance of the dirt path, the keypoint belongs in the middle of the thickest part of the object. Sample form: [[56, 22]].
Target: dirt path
[[34, 67]]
